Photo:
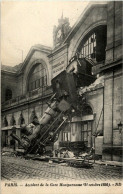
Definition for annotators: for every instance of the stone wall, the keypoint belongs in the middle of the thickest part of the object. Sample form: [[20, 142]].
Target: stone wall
[[112, 147], [114, 31], [113, 111], [95, 100]]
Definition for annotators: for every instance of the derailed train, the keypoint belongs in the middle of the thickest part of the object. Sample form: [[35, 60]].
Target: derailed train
[[37, 134]]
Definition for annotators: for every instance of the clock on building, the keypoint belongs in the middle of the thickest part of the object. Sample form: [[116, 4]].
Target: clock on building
[[59, 34], [61, 31]]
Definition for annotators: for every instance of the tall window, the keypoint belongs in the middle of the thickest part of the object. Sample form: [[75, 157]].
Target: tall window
[[86, 127], [67, 133], [89, 47], [8, 94], [86, 132], [38, 77], [94, 44]]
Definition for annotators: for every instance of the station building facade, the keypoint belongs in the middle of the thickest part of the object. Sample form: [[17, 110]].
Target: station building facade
[[26, 88]]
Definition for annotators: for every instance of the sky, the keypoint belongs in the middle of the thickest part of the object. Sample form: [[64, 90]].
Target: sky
[[26, 23]]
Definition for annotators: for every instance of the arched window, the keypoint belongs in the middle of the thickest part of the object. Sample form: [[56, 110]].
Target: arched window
[[94, 44], [37, 78], [8, 94], [89, 47]]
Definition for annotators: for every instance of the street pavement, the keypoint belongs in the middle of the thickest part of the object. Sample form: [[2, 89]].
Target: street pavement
[[18, 168]]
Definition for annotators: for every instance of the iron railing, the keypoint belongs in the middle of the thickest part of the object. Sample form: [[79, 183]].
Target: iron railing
[[40, 92]]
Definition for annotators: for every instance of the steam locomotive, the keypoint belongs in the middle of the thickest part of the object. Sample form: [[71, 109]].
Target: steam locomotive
[[36, 135]]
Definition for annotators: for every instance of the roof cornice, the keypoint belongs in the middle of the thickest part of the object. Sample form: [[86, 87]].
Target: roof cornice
[[8, 72]]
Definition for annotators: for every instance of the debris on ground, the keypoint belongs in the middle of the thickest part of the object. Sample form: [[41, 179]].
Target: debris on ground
[[80, 164], [68, 154], [63, 164], [5, 153], [65, 157], [50, 161]]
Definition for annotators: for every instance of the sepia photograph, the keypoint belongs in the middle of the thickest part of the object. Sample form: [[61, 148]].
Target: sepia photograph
[[61, 97]]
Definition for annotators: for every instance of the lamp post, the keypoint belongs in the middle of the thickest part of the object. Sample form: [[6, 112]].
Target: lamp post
[[120, 127]]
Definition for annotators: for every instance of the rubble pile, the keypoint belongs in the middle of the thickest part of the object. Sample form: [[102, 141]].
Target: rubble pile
[[99, 82]]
